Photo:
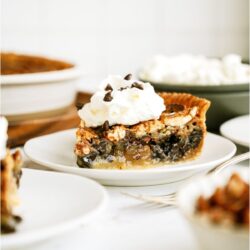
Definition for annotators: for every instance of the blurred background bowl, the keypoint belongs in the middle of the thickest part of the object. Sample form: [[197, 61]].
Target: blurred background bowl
[[209, 235], [227, 101], [38, 95]]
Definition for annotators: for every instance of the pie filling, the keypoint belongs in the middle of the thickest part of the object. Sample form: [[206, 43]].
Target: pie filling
[[170, 144]]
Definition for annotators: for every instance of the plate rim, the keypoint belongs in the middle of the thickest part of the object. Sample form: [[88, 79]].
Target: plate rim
[[232, 138], [164, 169], [68, 74], [32, 236]]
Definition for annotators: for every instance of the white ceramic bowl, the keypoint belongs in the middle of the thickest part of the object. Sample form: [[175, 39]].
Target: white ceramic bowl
[[38, 94], [210, 236]]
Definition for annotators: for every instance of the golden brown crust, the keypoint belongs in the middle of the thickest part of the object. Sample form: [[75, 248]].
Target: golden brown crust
[[188, 101]]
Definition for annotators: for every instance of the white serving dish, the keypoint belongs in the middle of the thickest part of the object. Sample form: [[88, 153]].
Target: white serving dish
[[38, 94], [210, 236]]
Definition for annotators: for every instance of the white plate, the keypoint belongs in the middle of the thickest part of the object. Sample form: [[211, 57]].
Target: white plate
[[56, 151], [237, 130], [53, 203]]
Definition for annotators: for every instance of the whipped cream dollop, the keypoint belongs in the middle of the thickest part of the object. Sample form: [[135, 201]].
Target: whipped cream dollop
[[190, 69], [122, 101], [3, 136]]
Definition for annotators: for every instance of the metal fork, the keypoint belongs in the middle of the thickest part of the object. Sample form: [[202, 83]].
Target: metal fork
[[170, 199]]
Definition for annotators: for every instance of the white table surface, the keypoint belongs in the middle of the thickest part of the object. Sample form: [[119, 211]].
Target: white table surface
[[128, 224]]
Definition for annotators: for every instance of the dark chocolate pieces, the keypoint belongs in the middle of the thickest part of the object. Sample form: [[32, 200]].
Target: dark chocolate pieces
[[137, 85], [108, 87], [79, 105], [9, 222], [105, 126], [171, 148], [122, 88], [108, 97], [128, 77], [134, 85]]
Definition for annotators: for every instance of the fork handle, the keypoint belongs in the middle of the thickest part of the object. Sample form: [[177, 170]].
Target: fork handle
[[234, 160]]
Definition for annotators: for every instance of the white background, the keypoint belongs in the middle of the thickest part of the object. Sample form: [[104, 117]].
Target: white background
[[117, 36]]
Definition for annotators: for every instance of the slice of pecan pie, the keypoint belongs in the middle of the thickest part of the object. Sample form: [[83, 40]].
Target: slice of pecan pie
[[178, 135], [10, 178]]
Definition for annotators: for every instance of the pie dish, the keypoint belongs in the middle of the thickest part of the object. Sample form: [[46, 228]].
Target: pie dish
[[10, 178], [12, 63], [177, 135], [31, 86]]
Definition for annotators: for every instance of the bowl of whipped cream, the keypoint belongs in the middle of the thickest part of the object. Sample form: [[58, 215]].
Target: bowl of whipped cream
[[225, 82]]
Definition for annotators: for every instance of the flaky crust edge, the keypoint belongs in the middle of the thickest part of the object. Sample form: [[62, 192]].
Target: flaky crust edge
[[188, 101]]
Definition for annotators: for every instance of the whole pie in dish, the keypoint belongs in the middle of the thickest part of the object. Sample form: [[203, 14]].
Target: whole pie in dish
[[10, 178], [12, 63], [176, 135]]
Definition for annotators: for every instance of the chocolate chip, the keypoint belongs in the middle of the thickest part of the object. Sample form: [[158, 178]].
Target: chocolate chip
[[128, 77], [108, 97], [108, 87], [3, 166], [17, 218], [87, 160], [122, 88], [105, 126], [79, 105], [137, 85], [9, 227]]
